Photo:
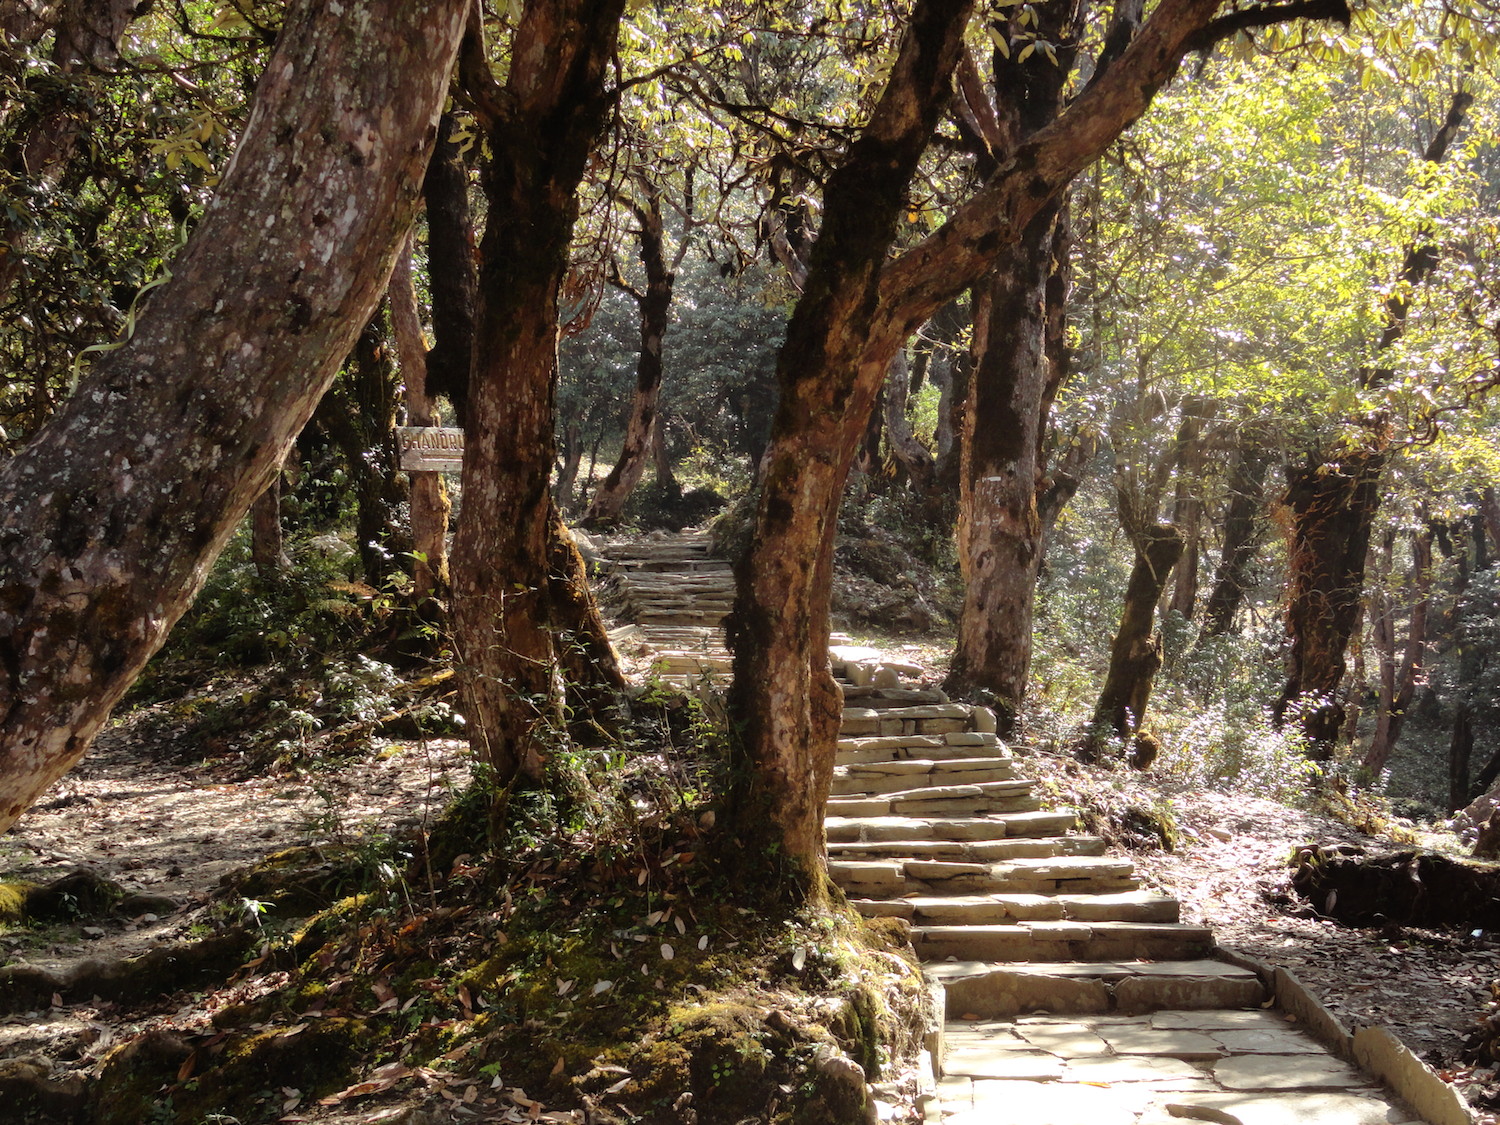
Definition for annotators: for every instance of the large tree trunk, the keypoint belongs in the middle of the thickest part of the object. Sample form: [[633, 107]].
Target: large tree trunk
[[542, 126], [999, 527], [1242, 531], [1333, 508], [784, 702], [1135, 656], [113, 513], [655, 308], [1398, 683]]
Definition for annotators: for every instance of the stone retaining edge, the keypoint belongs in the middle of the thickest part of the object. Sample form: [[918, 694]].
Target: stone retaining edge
[[1373, 1049]]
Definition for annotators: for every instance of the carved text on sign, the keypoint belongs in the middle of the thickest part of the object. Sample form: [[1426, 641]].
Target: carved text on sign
[[430, 449]]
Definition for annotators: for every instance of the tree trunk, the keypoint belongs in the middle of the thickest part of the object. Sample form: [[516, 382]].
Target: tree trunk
[[1333, 508], [113, 513], [656, 306], [1398, 686], [1135, 656], [542, 126], [999, 527], [430, 506], [570, 462], [666, 479], [784, 703], [909, 453], [1242, 530], [1460, 754], [266, 549], [1187, 507], [452, 273]]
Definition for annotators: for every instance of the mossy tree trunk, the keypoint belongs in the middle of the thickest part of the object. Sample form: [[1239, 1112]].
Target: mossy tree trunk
[[542, 125], [111, 516]]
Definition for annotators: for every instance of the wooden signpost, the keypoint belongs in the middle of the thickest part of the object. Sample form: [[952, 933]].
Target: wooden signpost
[[430, 449]]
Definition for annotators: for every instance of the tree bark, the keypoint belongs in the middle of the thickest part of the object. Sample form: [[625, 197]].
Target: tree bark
[[542, 126], [110, 517], [1135, 656], [266, 549], [784, 702], [655, 310], [430, 506], [999, 527], [1333, 508], [452, 272], [909, 453], [1242, 532], [1187, 507]]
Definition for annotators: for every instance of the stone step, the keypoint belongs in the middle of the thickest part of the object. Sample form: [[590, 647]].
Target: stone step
[[874, 778], [940, 801], [971, 851], [1063, 941], [1051, 875], [932, 718], [984, 990], [890, 748], [1003, 909], [874, 829]]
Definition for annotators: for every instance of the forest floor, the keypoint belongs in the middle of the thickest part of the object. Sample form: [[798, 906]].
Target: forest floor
[[158, 825]]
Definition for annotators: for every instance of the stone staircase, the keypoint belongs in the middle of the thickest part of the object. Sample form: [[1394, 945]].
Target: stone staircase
[[930, 820], [672, 597], [1066, 992]]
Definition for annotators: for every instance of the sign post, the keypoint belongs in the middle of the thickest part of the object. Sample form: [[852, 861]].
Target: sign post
[[430, 449]]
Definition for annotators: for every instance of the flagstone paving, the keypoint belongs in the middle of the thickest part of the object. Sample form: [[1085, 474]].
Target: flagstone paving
[[1073, 995]]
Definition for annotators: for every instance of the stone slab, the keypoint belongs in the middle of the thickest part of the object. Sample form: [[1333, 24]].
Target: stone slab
[[1130, 1069], [1268, 1041], [1049, 1103], [1137, 1040], [1283, 1109], [1254, 1019], [1066, 1040], [1285, 1072], [999, 1062]]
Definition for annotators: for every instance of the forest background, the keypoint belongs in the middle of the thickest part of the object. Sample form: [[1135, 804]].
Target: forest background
[[1211, 382]]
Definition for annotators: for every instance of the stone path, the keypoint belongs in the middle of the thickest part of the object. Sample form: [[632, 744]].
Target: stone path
[[1071, 995]]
